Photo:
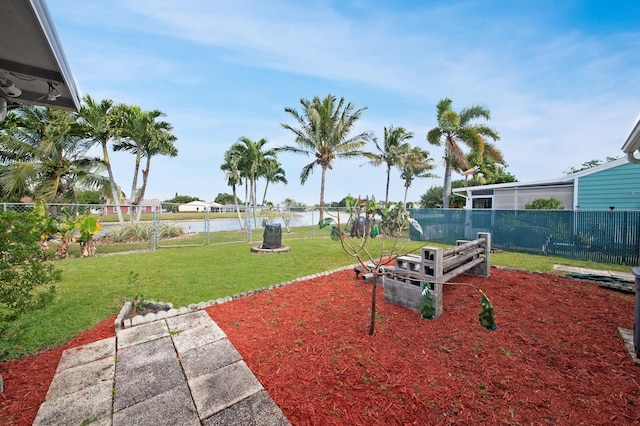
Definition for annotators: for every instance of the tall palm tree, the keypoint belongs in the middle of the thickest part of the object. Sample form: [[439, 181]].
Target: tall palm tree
[[416, 164], [97, 121], [273, 173], [324, 128], [43, 154], [454, 129], [232, 174], [140, 133], [392, 152]]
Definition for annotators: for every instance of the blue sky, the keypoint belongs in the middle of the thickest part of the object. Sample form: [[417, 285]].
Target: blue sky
[[562, 79]]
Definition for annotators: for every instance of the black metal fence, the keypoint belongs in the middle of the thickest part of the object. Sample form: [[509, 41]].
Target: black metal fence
[[594, 235]]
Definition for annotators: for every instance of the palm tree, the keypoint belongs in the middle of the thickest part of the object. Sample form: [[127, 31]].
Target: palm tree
[[273, 173], [97, 121], [140, 133], [454, 129], [416, 164], [392, 152], [43, 154], [232, 174], [251, 159], [324, 131]]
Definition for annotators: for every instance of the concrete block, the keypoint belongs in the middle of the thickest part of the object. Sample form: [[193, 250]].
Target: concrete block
[[137, 320]]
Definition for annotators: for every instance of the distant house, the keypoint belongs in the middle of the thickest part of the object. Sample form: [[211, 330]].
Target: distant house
[[146, 206], [614, 185], [200, 206]]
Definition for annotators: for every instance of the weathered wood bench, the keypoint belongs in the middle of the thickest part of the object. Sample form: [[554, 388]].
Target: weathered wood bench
[[436, 266]]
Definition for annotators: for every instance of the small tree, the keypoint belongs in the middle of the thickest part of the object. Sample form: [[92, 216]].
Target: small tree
[[394, 219], [27, 279]]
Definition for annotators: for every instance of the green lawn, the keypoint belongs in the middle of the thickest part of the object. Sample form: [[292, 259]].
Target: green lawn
[[93, 289]]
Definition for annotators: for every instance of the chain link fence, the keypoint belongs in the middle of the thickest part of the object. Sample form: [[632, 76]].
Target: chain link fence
[[597, 236], [152, 227]]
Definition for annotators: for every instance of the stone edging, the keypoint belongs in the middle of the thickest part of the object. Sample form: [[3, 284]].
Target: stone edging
[[121, 323]]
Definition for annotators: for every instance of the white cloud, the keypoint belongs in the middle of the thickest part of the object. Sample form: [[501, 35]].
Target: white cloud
[[559, 93]]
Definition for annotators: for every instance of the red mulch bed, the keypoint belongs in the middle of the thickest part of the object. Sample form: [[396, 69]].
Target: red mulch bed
[[27, 380], [555, 359]]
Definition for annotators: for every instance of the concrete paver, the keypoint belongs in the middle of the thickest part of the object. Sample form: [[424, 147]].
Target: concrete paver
[[82, 407], [576, 270], [180, 370], [258, 409], [224, 387], [144, 371], [173, 407]]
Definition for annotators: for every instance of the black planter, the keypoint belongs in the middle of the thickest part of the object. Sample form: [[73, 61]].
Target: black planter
[[272, 237]]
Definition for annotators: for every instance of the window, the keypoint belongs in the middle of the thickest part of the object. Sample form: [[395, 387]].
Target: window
[[481, 203]]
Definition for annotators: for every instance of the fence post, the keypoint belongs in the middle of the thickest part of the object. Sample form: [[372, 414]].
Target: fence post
[[154, 227]]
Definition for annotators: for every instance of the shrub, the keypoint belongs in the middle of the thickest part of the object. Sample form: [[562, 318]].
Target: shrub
[[544, 204], [27, 279]]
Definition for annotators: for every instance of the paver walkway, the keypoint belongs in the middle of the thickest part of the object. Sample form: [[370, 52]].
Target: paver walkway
[[176, 371]]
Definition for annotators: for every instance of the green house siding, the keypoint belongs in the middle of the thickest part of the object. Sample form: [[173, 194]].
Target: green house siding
[[617, 187]]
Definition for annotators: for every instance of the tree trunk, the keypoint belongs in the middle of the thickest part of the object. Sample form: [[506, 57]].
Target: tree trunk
[[112, 183], [386, 194], [264, 195], [143, 189], [404, 200], [235, 199], [372, 323], [252, 189], [247, 224], [324, 172], [446, 190], [134, 185]]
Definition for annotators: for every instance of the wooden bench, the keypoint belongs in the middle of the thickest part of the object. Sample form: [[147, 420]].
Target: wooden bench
[[436, 266]]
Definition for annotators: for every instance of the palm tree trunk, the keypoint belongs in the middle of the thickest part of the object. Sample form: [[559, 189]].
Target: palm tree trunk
[[235, 199], [134, 185], [446, 190], [324, 172], [404, 200], [386, 194], [143, 189], [112, 183], [264, 195], [247, 224], [254, 202]]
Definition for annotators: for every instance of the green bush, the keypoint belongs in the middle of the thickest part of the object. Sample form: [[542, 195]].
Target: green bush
[[544, 204], [27, 279]]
